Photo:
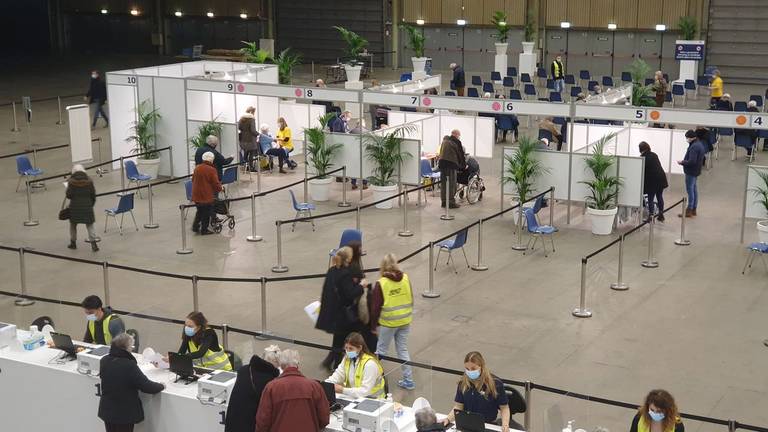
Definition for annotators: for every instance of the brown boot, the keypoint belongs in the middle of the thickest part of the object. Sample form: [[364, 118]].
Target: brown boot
[[693, 212], [688, 213]]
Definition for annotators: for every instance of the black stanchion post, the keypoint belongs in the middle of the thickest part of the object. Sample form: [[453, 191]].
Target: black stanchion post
[[682, 240], [357, 218], [105, 274], [552, 206], [258, 175], [279, 268], [195, 296], [405, 232], [651, 262], [151, 224], [253, 237], [430, 293], [582, 311], [479, 266], [619, 285], [184, 249], [344, 202], [520, 246], [15, 127], [528, 403], [100, 170], [31, 221], [170, 157], [446, 216], [122, 174], [61, 121], [263, 305], [23, 280]]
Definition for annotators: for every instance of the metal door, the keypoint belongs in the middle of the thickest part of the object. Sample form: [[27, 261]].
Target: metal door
[[668, 63], [624, 52], [474, 51], [433, 47], [453, 48], [579, 54], [648, 48], [601, 52], [489, 50], [556, 44]]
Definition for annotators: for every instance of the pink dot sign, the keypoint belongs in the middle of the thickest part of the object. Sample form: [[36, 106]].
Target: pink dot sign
[[240, 88], [496, 106], [298, 92], [426, 101]]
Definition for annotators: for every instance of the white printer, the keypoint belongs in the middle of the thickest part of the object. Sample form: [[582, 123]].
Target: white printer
[[88, 361], [369, 415], [7, 334], [216, 386]]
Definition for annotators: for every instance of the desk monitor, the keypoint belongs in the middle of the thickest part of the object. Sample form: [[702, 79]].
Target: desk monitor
[[330, 391], [63, 342], [470, 422], [181, 365]]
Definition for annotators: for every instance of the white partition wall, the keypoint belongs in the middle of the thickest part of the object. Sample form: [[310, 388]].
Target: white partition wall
[[173, 109], [555, 162], [123, 102], [353, 153], [753, 209]]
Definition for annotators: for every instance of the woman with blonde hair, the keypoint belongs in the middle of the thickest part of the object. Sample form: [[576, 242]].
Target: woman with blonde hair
[[480, 392], [338, 305], [391, 314], [657, 414]]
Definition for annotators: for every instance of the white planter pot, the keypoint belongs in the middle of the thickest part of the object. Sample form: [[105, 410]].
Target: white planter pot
[[150, 167], [501, 48], [762, 230], [419, 63], [528, 47], [381, 192], [602, 220], [353, 72], [319, 188]]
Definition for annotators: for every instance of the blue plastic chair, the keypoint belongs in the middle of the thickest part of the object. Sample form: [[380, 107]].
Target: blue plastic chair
[[472, 92], [591, 85], [347, 236], [188, 192], [530, 90], [537, 232], [725, 131], [584, 75], [758, 99], [555, 96], [570, 79], [740, 106], [541, 73], [495, 76], [550, 84], [607, 81], [690, 84], [406, 77], [702, 81], [488, 88], [425, 169], [450, 245], [525, 78], [667, 97], [476, 80], [508, 81], [302, 210], [543, 133], [125, 205], [228, 177], [756, 249], [666, 77], [450, 93], [678, 90], [511, 71], [558, 120], [134, 176], [575, 92], [514, 94], [25, 169], [626, 77], [745, 141], [648, 81]]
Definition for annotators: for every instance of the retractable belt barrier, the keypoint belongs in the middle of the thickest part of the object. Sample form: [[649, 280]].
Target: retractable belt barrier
[[38, 150]]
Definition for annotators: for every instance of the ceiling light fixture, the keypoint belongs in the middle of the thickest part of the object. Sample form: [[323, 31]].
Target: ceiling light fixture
[[135, 12], [565, 25], [209, 15], [244, 15], [661, 27], [612, 26], [419, 21], [178, 13], [461, 22]]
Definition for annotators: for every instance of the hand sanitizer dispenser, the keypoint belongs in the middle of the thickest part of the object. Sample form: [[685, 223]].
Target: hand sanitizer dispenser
[[7, 334]]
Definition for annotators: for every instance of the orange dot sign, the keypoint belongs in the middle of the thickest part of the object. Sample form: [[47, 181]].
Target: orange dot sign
[[741, 120], [655, 115]]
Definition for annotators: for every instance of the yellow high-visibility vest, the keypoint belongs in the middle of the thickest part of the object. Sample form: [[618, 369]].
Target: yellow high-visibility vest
[[378, 390], [212, 359], [104, 328], [558, 69], [397, 310]]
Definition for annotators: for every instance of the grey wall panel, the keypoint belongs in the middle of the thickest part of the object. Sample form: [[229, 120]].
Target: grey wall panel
[[601, 51], [624, 52]]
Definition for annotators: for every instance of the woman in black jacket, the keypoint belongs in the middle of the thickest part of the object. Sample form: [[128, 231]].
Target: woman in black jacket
[[338, 305], [82, 198], [200, 342], [655, 180], [246, 395], [121, 381]]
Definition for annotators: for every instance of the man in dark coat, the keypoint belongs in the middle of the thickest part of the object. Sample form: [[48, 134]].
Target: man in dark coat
[[451, 161], [97, 95], [246, 395], [692, 165], [459, 78], [655, 180], [82, 197], [219, 161], [121, 381]]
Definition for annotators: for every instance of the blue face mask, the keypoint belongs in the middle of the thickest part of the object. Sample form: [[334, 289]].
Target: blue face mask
[[189, 331], [657, 417], [472, 374], [91, 317], [352, 355]]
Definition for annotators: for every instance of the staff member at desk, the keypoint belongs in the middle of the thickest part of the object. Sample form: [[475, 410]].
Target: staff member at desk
[[121, 381], [657, 414], [360, 374], [201, 343], [480, 392], [102, 325]]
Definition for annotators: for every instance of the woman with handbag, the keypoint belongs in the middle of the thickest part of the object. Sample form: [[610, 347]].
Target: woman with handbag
[[338, 305], [82, 197]]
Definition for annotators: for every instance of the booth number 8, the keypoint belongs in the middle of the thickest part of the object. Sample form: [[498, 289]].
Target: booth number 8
[[309, 93]]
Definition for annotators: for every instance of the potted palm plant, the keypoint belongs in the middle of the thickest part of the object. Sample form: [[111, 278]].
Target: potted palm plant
[[143, 138], [761, 193], [688, 27], [383, 150], [604, 188], [416, 43], [355, 45], [320, 154], [642, 95], [205, 130], [499, 20], [286, 61], [523, 168], [253, 54], [529, 33]]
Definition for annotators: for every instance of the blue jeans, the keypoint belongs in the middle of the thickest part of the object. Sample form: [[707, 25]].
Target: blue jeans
[[99, 110], [692, 190], [559, 85], [400, 335], [659, 200]]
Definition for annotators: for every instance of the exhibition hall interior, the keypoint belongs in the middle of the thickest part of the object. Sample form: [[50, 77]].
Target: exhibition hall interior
[[384, 215]]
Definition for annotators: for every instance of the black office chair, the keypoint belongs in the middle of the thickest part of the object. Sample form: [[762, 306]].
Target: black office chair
[[234, 360], [517, 405], [136, 339], [42, 322]]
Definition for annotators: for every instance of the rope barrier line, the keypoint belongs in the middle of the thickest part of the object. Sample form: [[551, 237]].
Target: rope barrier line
[[45, 99], [42, 149]]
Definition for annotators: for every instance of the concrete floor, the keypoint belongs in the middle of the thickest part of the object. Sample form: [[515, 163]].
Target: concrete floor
[[694, 326]]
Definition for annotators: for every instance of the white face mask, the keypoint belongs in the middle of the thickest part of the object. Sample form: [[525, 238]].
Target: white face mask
[[94, 76]]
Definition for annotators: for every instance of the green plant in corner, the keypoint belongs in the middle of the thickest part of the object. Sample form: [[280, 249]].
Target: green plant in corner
[[642, 95], [688, 27], [286, 61], [253, 54], [604, 189], [355, 45], [523, 168], [529, 29], [415, 40], [499, 20], [761, 191], [205, 130], [384, 151], [144, 131], [320, 152]]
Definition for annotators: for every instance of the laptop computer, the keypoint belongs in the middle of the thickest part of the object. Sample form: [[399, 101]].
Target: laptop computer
[[181, 365], [330, 394], [64, 342], [470, 422]]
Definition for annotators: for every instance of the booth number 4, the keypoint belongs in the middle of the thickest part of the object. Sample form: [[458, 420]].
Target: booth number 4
[[757, 121]]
